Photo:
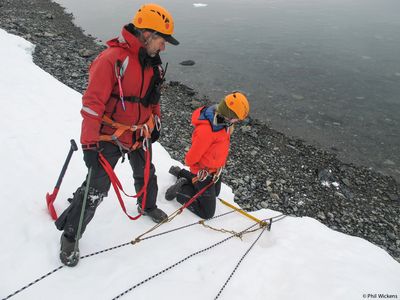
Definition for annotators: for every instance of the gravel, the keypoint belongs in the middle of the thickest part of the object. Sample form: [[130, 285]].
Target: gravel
[[266, 169]]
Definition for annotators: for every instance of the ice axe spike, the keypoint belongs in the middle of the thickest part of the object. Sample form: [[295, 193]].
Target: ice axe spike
[[50, 198]]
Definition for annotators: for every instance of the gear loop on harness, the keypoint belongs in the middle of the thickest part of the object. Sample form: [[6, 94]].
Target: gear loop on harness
[[202, 174], [157, 122], [145, 144], [118, 73], [217, 174]]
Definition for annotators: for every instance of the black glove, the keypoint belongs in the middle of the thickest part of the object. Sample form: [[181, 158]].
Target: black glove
[[155, 135], [91, 158]]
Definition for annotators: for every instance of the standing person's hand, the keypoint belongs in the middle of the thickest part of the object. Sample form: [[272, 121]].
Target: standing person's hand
[[155, 135]]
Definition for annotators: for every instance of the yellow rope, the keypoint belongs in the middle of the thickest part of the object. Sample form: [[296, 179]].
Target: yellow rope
[[237, 234], [168, 219]]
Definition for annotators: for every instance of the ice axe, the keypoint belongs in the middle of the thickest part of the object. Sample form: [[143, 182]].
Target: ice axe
[[50, 198]]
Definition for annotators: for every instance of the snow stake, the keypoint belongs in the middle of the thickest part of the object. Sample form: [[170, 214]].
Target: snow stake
[[262, 223], [50, 198]]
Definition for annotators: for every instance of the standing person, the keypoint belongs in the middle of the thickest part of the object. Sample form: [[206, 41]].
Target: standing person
[[208, 153], [120, 110]]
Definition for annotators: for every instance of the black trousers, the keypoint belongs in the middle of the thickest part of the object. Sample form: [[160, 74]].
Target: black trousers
[[204, 205], [100, 185]]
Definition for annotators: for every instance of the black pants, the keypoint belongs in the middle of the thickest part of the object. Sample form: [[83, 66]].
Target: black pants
[[100, 185], [204, 205]]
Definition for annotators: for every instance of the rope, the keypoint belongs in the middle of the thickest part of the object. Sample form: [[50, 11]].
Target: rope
[[33, 282], [107, 250], [237, 234], [240, 261], [174, 214], [118, 186], [275, 219], [179, 262]]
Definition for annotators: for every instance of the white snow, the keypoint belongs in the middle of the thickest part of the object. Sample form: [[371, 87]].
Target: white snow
[[299, 258]]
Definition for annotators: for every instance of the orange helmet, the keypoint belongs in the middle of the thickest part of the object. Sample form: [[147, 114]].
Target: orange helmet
[[237, 102], [155, 17]]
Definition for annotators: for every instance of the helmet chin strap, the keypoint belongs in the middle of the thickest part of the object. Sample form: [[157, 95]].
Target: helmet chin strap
[[147, 42], [220, 120]]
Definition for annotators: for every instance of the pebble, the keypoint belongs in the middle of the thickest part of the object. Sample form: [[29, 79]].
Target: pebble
[[275, 197]]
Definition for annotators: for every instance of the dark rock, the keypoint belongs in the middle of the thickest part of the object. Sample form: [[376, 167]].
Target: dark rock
[[174, 83], [393, 197], [346, 182], [86, 52], [187, 63]]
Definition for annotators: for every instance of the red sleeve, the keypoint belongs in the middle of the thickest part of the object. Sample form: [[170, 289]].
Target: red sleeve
[[101, 83], [201, 141]]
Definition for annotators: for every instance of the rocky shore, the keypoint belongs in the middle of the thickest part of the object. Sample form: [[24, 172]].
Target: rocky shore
[[265, 170]]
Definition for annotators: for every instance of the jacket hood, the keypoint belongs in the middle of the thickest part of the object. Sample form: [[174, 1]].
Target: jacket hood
[[126, 40], [205, 116]]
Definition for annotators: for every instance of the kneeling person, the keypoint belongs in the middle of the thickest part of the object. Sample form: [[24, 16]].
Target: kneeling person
[[208, 153]]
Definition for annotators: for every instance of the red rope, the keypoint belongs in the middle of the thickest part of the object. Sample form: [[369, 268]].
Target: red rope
[[143, 191], [118, 186], [199, 193]]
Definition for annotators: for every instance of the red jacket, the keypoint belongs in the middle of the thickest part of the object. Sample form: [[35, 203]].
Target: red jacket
[[209, 149], [98, 99]]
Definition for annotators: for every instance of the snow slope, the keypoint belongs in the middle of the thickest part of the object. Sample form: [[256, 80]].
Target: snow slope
[[298, 259]]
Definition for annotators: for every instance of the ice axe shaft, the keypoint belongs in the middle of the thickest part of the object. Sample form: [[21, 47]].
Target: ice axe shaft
[[50, 198]]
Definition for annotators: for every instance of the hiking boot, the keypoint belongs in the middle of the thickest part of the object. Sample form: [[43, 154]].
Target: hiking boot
[[156, 214], [69, 256], [174, 170], [173, 190]]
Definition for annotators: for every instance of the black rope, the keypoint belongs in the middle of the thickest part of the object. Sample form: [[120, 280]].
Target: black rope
[[268, 227], [107, 250], [279, 217], [179, 262], [33, 282], [240, 261], [185, 226]]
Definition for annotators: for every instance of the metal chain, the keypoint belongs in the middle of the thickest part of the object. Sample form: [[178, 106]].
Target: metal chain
[[179, 262]]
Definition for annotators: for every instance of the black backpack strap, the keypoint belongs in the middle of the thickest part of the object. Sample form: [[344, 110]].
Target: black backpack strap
[[132, 99]]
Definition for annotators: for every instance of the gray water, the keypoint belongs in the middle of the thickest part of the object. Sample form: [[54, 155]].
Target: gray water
[[321, 70]]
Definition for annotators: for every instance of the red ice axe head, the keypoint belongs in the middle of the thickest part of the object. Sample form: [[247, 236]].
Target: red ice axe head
[[50, 198]]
